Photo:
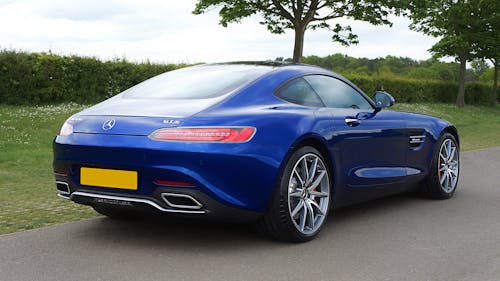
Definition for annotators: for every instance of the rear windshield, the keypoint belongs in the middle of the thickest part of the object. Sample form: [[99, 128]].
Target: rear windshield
[[197, 82]]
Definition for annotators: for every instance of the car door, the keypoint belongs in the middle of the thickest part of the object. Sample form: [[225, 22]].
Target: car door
[[371, 147]]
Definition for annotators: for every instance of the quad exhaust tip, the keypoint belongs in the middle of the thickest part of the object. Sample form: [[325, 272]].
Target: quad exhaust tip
[[181, 201]]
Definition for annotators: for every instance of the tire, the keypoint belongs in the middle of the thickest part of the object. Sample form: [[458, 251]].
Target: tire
[[297, 214], [444, 172], [114, 213]]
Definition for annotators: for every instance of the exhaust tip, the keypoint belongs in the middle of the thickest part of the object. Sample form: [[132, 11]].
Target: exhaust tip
[[181, 201], [62, 188]]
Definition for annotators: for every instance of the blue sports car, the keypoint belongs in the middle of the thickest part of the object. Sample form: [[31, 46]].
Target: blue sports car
[[276, 144]]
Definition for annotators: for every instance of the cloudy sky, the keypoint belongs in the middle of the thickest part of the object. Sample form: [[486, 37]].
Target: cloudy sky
[[166, 31]]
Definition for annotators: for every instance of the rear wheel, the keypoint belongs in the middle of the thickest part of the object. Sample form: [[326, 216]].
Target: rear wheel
[[445, 168], [301, 201]]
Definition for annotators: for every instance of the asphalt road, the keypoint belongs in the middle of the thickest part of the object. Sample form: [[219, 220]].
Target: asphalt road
[[397, 238]]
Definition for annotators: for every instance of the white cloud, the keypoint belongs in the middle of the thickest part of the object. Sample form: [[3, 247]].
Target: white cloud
[[166, 31]]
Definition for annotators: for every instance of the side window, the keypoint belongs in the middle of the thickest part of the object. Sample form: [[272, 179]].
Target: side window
[[298, 91], [336, 93]]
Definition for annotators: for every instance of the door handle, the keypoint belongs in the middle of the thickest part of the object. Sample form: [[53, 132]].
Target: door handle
[[352, 121]]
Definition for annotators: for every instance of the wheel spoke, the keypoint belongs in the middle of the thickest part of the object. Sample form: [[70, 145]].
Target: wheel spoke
[[297, 209], [297, 193], [310, 215], [312, 171], [447, 181], [303, 219], [298, 176], [442, 156], [448, 149], [317, 181], [315, 205], [305, 171], [453, 182], [318, 194], [452, 154], [443, 177]]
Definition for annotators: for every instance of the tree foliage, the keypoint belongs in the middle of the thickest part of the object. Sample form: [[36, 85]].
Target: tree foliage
[[487, 38], [402, 67], [455, 22], [468, 30], [300, 15]]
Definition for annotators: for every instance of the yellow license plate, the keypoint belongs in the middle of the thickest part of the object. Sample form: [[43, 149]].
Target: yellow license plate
[[108, 178]]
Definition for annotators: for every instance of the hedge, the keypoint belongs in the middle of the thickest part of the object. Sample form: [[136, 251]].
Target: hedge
[[410, 91], [45, 78]]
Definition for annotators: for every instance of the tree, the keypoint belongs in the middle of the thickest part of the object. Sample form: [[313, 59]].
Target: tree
[[455, 21], [487, 38], [478, 67], [300, 15]]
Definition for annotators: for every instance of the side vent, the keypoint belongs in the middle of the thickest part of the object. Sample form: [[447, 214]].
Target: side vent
[[416, 138]]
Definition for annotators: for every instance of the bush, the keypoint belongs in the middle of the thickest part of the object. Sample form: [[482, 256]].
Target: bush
[[45, 78]]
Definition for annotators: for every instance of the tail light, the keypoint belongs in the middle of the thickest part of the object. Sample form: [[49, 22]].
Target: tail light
[[205, 134]]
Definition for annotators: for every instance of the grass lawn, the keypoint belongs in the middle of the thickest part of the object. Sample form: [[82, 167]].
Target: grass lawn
[[27, 191]]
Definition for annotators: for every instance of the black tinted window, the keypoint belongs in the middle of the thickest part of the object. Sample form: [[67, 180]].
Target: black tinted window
[[300, 92], [336, 93], [199, 82]]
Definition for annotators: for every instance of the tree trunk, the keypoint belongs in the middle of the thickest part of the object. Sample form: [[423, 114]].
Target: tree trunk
[[299, 44], [494, 97], [461, 82]]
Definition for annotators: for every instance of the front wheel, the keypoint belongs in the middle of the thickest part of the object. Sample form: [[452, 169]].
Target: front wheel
[[445, 168], [301, 201]]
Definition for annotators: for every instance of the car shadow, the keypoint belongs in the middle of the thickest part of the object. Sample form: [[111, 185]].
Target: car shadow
[[175, 233]]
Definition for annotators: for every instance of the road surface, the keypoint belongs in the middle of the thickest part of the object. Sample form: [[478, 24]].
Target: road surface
[[397, 238]]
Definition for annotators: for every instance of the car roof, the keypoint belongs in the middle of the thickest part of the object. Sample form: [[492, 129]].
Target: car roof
[[282, 65]]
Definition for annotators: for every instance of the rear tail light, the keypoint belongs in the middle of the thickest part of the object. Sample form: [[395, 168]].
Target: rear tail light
[[204, 134]]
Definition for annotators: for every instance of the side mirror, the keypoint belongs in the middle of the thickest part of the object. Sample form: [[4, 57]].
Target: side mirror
[[383, 100]]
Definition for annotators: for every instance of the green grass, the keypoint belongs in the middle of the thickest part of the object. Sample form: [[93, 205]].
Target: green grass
[[27, 190]]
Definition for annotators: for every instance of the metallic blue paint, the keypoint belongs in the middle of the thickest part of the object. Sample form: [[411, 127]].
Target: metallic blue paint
[[371, 159]]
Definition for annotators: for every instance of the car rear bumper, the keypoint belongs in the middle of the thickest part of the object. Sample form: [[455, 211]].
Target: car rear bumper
[[192, 202], [217, 176]]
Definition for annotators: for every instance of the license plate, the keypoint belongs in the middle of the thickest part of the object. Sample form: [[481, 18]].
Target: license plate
[[108, 178]]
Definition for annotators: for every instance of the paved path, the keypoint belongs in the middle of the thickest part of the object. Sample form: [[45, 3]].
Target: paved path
[[398, 238]]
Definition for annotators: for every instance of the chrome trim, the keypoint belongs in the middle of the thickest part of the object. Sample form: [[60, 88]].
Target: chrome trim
[[136, 200], [351, 120], [417, 139], [180, 195], [63, 196], [67, 192]]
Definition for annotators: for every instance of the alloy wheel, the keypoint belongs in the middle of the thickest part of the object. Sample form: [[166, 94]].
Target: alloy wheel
[[448, 165], [308, 194]]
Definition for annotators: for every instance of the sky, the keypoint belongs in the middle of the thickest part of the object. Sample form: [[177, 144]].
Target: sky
[[165, 31]]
